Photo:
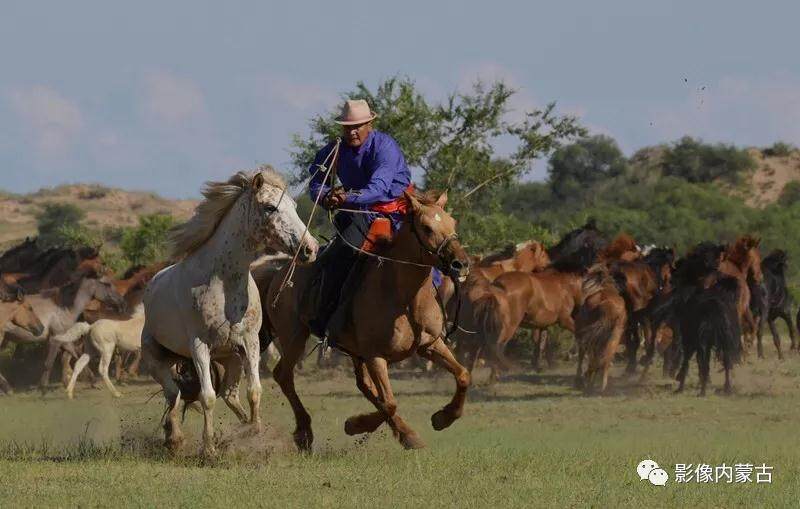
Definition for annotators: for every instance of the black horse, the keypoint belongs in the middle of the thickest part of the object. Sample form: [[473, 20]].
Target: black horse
[[772, 300], [710, 322], [585, 237]]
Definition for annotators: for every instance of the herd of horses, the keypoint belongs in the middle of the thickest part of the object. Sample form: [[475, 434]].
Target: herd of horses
[[200, 324]]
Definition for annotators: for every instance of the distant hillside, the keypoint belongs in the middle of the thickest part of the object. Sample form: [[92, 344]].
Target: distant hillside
[[104, 207], [771, 176]]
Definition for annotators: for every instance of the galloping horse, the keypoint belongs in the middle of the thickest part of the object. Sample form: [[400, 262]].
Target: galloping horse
[[528, 257], [742, 260], [599, 325], [392, 315], [206, 307]]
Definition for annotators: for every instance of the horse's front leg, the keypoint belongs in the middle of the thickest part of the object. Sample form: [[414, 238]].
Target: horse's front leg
[[364, 423], [442, 356], [386, 403], [201, 356], [253, 379]]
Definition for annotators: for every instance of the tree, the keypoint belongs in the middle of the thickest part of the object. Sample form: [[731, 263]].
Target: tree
[[147, 243], [58, 222], [453, 143], [575, 167], [696, 161]]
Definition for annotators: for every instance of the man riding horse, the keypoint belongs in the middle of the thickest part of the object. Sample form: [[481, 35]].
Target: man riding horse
[[373, 175]]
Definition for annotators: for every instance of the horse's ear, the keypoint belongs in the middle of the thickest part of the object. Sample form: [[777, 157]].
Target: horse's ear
[[757, 242], [258, 181], [442, 200], [415, 204]]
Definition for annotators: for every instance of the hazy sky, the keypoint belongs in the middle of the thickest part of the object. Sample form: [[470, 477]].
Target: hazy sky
[[164, 95]]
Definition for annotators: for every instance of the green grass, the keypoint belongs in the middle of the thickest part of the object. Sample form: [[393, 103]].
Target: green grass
[[531, 441]]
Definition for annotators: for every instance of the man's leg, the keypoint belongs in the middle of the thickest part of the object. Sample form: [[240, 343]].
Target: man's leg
[[337, 260]]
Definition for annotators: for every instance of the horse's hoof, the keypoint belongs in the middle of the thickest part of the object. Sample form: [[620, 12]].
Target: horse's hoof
[[70, 396], [303, 439], [117, 394], [442, 419], [412, 441], [174, 443], [256, 428], [209, 452]]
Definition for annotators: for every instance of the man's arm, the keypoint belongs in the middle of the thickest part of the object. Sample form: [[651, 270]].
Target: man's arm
[[315, 187], [390, 163]]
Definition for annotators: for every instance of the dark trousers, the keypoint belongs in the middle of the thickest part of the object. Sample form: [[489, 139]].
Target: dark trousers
[[336, 261]]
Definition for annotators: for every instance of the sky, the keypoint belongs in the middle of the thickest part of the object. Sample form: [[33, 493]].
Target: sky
[[162, 96]]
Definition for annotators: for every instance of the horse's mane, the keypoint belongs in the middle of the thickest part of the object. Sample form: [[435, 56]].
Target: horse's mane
[[507, 252], [622, 243], [599, 278], [219, 197], [737, 253]]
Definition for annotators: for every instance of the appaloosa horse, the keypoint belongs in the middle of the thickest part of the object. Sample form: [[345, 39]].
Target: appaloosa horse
[[206, 307]]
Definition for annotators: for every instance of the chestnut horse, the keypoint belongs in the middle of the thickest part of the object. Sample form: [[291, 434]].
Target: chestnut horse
[[742, 260], [17, 314], [393, 313], [600, 324]]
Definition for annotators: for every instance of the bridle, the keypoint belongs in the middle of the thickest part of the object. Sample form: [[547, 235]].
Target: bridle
[[439, 249]]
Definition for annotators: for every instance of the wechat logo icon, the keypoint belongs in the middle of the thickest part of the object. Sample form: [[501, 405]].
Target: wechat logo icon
[[649, 469]]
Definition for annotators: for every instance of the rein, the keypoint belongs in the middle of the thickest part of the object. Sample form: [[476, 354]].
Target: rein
[[332, 157], [456, 285]]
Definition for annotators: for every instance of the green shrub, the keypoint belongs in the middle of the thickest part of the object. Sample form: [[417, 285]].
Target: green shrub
[[59, 223], [147, 243], [695, 161], [779, 149]]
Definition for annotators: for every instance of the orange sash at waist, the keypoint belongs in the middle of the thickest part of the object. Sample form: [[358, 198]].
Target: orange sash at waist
[[399, 204]]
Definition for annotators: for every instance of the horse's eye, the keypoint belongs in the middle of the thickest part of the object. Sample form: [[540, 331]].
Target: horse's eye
[[427, 229], [271, 208]]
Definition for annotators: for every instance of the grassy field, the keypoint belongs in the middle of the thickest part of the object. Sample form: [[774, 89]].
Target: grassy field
[[530, 441]]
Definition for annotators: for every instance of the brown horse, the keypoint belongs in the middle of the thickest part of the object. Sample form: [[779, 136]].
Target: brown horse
[[17, 314], [393, 314], [528, 257], [622, 248], [600, 324], [533, 300], [741, 260]]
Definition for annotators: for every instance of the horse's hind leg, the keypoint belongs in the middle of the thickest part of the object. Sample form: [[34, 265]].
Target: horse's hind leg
[[776, 338], [83, 360], [283, 374], [106, 354], [386, 403], [442, 356], [787, 317], [364, 423], [160, 367], [230, 387]]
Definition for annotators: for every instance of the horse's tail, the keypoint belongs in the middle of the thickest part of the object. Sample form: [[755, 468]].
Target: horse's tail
[[73, 334], [489, 318], [593, 331]]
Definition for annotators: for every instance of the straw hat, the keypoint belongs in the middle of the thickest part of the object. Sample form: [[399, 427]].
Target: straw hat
[[354, 112]]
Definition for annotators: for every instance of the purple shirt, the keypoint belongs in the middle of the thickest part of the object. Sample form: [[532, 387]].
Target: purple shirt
[[375, 172]]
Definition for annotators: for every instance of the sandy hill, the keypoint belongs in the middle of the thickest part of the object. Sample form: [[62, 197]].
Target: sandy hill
[[771, 176], [104, 207]]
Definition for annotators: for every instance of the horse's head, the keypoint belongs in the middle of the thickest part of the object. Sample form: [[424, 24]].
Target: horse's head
[[104, 291], [435, 231], [277, 219], [531, 256], [25, 318]]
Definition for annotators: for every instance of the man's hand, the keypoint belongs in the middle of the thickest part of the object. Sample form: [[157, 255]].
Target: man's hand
[[335, 198]]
